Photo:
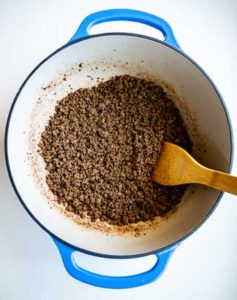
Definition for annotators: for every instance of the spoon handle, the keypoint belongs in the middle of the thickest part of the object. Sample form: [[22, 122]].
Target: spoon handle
[[224, 182], [218, 180]]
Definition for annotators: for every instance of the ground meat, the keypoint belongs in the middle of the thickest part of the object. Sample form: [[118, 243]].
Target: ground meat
[[101, 145]]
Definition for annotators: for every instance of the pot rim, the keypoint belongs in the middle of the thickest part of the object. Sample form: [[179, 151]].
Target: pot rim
[[11, 176]]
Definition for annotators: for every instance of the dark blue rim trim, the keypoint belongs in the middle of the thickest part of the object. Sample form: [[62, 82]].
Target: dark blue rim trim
[[84, 250]]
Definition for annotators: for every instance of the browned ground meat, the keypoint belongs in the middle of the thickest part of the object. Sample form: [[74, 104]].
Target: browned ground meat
[[101, 145]]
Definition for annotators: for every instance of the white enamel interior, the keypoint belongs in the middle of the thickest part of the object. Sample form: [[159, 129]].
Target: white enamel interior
[[159, 60]]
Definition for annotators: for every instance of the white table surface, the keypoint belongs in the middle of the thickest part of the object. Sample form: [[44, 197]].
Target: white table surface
[[205, 265]]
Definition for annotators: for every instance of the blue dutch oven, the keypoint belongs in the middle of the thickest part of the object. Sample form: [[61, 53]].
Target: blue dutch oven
[[104, 55]]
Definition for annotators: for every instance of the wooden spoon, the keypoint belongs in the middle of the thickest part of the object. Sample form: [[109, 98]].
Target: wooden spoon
[[175, 166]]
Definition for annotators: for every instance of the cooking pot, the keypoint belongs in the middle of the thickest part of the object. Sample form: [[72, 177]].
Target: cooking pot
[[104, 55]]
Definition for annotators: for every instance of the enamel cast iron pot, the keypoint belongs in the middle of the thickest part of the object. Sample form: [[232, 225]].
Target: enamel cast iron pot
[[163, 59]]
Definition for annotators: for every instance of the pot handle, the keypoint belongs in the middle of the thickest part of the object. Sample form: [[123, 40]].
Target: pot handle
[[112, 282], [125, 15]]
